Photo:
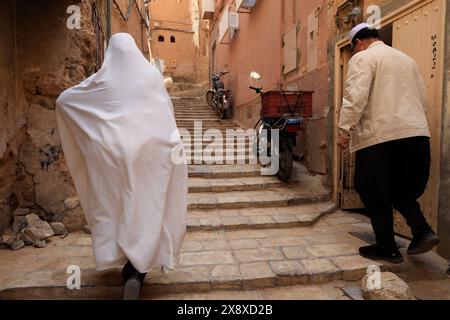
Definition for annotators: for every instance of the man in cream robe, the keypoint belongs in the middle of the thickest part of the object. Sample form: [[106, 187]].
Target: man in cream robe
[[383, 111]]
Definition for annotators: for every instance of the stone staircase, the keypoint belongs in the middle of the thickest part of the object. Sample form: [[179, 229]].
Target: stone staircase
[[245, 231], [236, 196]]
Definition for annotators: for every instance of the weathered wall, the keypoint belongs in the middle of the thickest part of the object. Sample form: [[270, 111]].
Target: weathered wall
[[48, 59], [187, 58], [312, 76], [8, 115], [444, 194], [133, 23], [202, 53]]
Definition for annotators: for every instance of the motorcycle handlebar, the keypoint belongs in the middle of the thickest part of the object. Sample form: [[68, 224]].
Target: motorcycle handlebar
[[258, 90]]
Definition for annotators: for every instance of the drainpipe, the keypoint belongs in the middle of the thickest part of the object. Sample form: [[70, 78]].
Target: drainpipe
[[108, 19], [280, 51]]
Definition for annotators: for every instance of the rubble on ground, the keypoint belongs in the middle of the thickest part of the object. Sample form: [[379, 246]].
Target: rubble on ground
[[28, 229], [390, 287]]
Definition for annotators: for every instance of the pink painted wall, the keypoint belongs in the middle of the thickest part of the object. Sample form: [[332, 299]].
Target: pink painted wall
[[258, 46], [312, 145], [255, 47]]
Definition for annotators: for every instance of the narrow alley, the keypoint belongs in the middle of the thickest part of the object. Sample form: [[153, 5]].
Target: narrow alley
[[95, 203], [249, 237]]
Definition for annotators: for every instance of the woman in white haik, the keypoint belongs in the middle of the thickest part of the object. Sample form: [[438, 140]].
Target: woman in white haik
[[118, 133]]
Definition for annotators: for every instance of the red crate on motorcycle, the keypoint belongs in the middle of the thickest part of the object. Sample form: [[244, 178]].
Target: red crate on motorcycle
[[276, 104]]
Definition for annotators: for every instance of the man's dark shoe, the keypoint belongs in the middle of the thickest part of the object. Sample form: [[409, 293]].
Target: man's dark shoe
[[423, 243], [127, 271], [133, 281], [375, 252], [132, 288]]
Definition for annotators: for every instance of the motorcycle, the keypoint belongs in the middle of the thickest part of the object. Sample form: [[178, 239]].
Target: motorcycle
[[218, 98], [286, 112]]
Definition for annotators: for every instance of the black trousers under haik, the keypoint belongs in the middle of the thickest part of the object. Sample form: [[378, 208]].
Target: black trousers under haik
[[391, 175]]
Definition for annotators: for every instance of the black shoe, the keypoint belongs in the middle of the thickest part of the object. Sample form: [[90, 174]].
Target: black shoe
[[127, 271], [423, 243], [132, 288], [375, 252], [133, 282]]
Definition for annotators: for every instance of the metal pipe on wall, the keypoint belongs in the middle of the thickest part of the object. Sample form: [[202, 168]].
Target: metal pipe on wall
[[108, 19]]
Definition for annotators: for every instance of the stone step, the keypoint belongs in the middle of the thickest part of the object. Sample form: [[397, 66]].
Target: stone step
[[206, 122], [188, 99], [201, 117], [216, 161], [209, 260], [191, 152], [183, 86], [196, 116], [190, 116], [222, 129], [192, 103], [240, 139], [197, 108], [221, 171], [276, 197], [228, 145], [192, 92], [259, 218], [186, 110], [203, 145], [221, 160], [205, 127], [183, 103], [197, 185], [333, 290], [180, 105]]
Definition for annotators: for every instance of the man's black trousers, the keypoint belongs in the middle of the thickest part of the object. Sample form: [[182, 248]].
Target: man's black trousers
[[391, 175]]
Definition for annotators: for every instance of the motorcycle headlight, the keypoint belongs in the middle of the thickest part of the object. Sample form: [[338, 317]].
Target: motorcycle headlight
[[261, 128]]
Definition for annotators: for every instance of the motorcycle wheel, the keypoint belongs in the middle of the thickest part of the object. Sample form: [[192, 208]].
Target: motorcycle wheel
[[210, 98], [286, 164], [225, 110]]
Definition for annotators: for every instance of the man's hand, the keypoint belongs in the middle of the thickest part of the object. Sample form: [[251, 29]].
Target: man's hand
[[343, 142]]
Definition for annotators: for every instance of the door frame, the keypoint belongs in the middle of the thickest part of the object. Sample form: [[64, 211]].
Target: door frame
[[338, 86]]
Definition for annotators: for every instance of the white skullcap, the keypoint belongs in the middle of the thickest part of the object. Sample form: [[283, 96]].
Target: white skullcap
[[357, 29]]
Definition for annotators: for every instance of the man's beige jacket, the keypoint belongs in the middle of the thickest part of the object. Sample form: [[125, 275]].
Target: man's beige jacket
[[384, 98]]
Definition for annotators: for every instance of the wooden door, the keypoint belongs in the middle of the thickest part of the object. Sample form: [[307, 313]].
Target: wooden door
[[419, 35], [349, 198]]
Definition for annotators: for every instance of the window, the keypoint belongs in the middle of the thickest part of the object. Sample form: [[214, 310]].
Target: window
[[161, 38], [172, 39], [290, 52]]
